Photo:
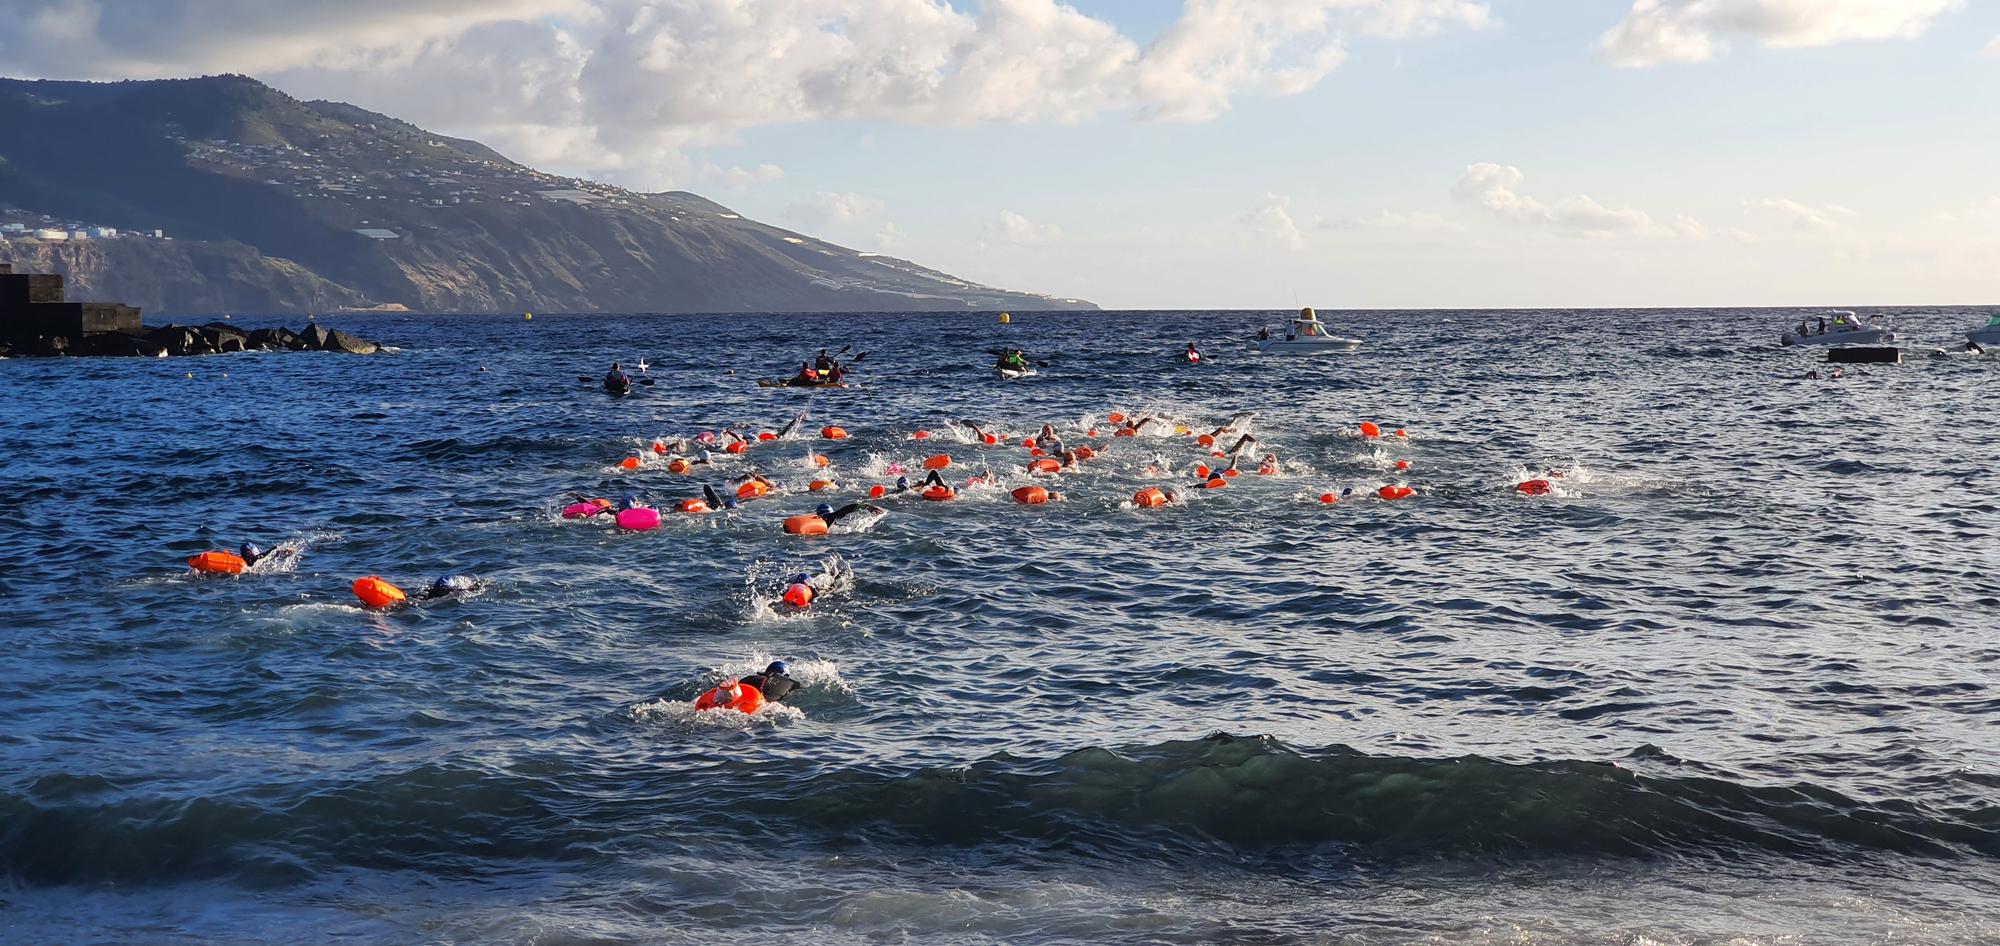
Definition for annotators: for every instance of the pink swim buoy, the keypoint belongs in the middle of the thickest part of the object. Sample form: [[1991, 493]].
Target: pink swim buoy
[[581, 510], [639, 520], [895, 469]]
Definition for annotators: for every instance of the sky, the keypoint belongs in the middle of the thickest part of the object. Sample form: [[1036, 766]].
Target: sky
[[1205, 153]]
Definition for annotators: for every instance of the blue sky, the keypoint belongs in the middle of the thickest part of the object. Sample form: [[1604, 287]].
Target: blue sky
[[1213, 153]]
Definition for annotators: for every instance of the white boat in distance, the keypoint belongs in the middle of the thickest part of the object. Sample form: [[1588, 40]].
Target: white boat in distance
[[1307, 336], [1845, 329]]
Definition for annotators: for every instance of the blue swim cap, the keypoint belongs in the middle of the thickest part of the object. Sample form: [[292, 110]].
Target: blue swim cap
[[825, 509], [628, 500], [729, 504], [250, 552], [777, 669], [800, 579], [903, 481]]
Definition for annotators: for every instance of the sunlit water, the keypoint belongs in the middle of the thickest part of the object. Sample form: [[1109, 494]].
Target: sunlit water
[[1735, 681]]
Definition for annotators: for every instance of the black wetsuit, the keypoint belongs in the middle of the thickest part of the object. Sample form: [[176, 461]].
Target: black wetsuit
[[775, 687], [933, 479], [845, 511]]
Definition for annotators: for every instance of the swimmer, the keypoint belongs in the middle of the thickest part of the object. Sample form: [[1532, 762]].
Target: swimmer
[[1247, 440], [447, 586], [786, 431], [978, 432], [731, 694], [830, 515], [714, 500], [802, 589], [774, 683], [1268, 468], [1048, 442]]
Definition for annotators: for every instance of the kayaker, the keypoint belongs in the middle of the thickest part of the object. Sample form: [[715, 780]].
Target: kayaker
[[825, 364], [1013, 360], [616, 380], [1192, 356], [806, 378]]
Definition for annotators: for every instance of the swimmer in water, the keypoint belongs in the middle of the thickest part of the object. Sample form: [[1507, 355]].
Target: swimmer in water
[[714, 500], [786, 431], [1268, 468], [830, 515], [979, 433], [448, 586], [1048, 442], [802, 589], [775, 682]]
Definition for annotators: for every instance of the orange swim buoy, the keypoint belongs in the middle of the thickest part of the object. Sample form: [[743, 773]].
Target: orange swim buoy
[[767, 435], [938, 462], [1037, 452], [736, 446], [938, 494], [677, 465], [833, 433], [876, 491], [376, 593], [1201, 470], [1400, 433], [1116, 418], [754, 489], [630, 463], [1328, 498], [1031, 495], [1044, 465], [748, 699], [1536, 487], [1149, 497], [1402, 464], [1232, 471], [1124, 432], [1215, 483], [694, 507], [821, 461], [1395, 492], [1205, 440], [219, 563], [800, 595], [1368, 429], [1084, 453], [1093, 432], [659, 448], [819, 485], [805, 525], [922, 435]]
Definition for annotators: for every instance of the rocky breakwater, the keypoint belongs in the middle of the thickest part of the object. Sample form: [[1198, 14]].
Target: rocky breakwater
[[35, 320]]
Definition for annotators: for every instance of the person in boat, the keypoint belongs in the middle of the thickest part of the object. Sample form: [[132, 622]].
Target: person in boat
[[775, 682], [616, 380], [1264, 334], [825, 364], [1191, 356], [1013, 360], [806, 378], [1822, 325]]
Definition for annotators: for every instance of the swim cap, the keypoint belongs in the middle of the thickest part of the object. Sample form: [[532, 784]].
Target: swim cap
[[801, 579], [825, 509], [250, 552], [729, 504], [628, 500], [902, 482], [777, 669]]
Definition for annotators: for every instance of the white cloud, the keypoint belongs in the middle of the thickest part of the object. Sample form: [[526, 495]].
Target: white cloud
[[1664, 31], [1393, 221], [824, 208], [1800, 215], [1992, 47], [889, 237], [613, 86], [1272, 220], [1495, 188], [1011, 227]]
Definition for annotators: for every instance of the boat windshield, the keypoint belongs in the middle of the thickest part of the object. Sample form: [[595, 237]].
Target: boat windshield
[[1993, 322], [1308, 328]]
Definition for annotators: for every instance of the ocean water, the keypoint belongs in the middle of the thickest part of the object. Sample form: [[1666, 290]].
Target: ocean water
[[1736, 681]]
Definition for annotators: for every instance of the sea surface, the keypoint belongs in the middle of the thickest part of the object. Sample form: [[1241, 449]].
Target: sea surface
[[1735, 681]]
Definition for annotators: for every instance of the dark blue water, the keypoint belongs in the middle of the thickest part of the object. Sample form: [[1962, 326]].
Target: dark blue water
[[1737, 681]]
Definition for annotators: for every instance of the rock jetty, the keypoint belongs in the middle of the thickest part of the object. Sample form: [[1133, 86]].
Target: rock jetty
[[35, 320]]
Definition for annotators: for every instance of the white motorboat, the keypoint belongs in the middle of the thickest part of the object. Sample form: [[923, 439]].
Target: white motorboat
[[1307, 336], [1014, 374], [1989, 335], [1844, 328]]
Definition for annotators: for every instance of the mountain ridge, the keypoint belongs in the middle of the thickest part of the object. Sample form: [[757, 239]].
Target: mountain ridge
[[269, 203]]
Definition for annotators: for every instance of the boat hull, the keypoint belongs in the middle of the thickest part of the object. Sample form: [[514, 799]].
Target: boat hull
[[1870, 337], [1301, 346]]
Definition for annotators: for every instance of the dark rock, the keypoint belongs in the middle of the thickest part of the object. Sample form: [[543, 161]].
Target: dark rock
[[271, 339], [121, 344], [223, 338], [314, 337], [343, 342], [49, 346], [176, 339]]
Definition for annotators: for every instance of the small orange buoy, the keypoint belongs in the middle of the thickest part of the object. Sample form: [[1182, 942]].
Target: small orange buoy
[[1116, 418], [800, 595], [1028, 442], [1093, 432], [659, 448], [677, 465], [1205, 440], [1031, 495], [218, 563], [1044, 465], [767, 435], [821, 461], [1215, 483], [736, 446], [1085, 453], [938, 494], [1400, 433], [753, 490], [1201, 470], [629, 463], [1232, 471], [1149, 497], [376, 593], [819, 486], [1402, 464], [693, 507], [1036, 452], [991, 440], [748, 699], [1368, 429], [1536, 488], [833, 433], [922, 435], [805, 525], [1395, 492], [1328, 498], [877, 491], [938, 462], [1124, 432]]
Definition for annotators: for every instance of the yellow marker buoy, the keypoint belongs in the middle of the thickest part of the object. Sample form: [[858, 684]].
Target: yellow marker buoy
[[190, 376], [1006, 319], [528, 317]]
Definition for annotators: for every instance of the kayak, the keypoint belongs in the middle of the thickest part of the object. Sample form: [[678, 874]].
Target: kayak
[[1015, 374], [617, 390], [783, 383]]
